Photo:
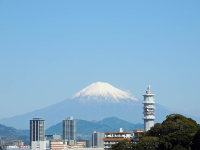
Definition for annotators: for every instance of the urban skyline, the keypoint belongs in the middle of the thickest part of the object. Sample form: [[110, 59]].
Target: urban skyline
[[93, 60], [68, 139], [99, 140]]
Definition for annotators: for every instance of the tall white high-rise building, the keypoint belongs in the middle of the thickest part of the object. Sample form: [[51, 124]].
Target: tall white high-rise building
[[149, 108], [69, 131], [37, 134]]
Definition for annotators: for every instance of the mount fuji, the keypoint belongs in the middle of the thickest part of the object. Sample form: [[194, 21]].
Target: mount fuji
[[102, 92], [95, 102]]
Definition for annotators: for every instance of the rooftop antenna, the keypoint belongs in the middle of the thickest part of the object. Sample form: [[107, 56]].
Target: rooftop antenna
[[148, 89]]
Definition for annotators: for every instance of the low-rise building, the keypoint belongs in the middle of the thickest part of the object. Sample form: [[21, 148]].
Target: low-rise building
[[137, 133], [85, 149], [54, 137], [88, 143], [18, 148], [57, 145], [60, 145], [112, 138]]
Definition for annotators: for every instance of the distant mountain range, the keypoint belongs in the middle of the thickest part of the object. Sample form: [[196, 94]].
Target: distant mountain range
[[95, 102], [86, 128], [10, 133]]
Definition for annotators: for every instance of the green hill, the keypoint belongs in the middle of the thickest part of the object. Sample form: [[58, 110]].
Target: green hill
[[10, 133]]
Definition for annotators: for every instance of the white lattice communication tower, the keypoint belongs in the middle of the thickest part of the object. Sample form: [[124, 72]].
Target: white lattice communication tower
[[149, 109]]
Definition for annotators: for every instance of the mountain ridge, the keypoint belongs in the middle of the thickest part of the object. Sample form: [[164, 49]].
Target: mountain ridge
[[86, 128], [88, 109], [10, 133]]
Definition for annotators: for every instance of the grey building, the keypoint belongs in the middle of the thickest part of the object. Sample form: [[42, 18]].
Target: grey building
[[69, 131], [88, 143], [37, 134], [97, 140]]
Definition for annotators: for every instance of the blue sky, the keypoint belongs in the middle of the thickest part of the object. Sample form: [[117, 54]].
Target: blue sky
[[49, 50]]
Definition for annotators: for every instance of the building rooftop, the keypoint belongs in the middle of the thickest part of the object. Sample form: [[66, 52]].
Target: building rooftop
[[117, 132], [137, 130], [116, 139], [37, 119]]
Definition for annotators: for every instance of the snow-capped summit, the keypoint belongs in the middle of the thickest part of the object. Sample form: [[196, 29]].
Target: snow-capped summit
[[103, 92]]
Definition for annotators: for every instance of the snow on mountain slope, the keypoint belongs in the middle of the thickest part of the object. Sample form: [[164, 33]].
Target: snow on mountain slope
[[103, 92]]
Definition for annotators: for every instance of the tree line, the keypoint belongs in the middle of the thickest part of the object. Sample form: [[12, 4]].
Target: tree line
[[177, 132]]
